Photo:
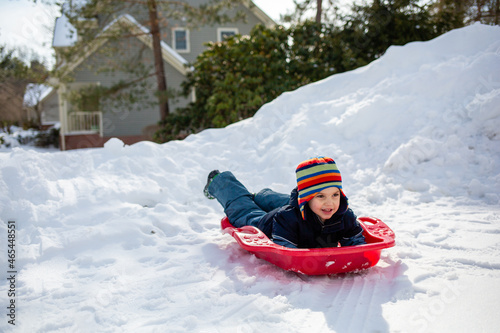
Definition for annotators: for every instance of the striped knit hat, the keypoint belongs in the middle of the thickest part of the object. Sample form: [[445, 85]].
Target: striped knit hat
[[313, 176]]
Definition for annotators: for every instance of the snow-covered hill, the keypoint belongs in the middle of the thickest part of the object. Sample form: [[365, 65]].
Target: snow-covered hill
[[121, 239]]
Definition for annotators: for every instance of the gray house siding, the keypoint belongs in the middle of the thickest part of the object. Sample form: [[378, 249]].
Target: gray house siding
[[201, 35], [132, 119]]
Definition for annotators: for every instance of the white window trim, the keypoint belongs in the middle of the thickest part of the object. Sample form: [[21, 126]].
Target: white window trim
[[188, 42], [220, 30]]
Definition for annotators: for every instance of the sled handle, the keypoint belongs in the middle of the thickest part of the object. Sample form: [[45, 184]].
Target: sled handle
[[376, 228], [247, 235]]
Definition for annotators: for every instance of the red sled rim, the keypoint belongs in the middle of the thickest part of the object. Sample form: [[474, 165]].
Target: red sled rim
[[333, 260]]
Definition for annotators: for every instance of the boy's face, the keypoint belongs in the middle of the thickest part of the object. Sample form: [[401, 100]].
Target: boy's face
[[325, 203]]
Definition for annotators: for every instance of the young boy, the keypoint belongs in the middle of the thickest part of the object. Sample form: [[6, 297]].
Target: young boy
[[314, 215]]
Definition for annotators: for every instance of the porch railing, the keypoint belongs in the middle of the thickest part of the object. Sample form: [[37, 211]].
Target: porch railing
[[85, 122]]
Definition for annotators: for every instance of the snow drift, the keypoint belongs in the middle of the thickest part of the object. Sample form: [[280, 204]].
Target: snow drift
[[122, 239]]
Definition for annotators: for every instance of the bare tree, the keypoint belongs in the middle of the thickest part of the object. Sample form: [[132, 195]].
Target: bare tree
[[319, 10]]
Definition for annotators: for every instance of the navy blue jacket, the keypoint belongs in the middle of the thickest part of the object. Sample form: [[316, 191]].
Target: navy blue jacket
[[285, 226]]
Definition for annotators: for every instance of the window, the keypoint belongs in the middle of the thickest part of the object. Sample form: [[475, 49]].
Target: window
[[223, 33], [180, 40]]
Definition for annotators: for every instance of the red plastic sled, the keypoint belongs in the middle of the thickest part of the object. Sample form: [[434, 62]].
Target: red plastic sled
[[332, 260]]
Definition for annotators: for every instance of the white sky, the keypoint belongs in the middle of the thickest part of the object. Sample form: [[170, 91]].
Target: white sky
[[274, 8], [29, 26]]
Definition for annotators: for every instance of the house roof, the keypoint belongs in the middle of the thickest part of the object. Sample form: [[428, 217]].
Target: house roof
[[65, 35], [261, 15], [66, 39]]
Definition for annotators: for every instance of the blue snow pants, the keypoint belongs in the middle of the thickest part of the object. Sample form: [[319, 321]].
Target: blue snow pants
[[242, 207]]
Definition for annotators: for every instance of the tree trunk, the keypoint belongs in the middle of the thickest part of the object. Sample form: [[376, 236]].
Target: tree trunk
[[496, 11], [319, 9], [160, 71]]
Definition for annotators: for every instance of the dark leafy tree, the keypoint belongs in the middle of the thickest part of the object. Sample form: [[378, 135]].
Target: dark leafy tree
[[370, 29], [451, 14], [233, 79]]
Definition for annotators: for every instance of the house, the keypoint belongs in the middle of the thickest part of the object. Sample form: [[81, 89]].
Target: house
[[92, 125]]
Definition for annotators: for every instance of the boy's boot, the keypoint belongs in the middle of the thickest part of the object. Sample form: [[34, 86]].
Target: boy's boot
[[211, 177]]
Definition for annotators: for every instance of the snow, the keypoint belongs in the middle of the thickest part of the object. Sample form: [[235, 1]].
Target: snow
[[35, 93], [121, 238], [64, 33]]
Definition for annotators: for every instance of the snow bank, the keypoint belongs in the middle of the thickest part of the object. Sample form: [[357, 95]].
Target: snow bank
[[122, 239]]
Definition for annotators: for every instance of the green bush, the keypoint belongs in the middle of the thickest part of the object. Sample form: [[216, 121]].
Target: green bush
[[48, 138], [234, 78]]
